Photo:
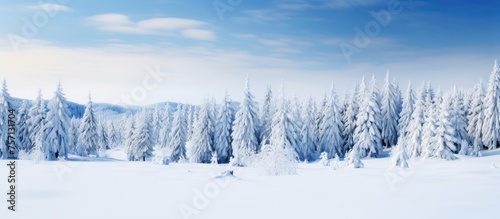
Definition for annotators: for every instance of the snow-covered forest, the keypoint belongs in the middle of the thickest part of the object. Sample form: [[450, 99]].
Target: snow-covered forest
[[420, 121]]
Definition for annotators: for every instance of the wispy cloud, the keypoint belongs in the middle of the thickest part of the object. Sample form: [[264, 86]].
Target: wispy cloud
[[263, 16], [49, 7], [328, 4], [120, 23], [276, 43]]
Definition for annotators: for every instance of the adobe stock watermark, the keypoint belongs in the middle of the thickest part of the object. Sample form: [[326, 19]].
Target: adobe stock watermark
[[62, 168], [395, 176], [372, 29], [139, 93], [203, 196], [223, 6], [32, 25]]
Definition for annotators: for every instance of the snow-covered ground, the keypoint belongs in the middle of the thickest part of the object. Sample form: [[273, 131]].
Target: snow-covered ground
[[112, 188]]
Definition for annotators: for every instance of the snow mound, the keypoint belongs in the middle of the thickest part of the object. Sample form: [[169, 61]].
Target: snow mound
[[224, 174]]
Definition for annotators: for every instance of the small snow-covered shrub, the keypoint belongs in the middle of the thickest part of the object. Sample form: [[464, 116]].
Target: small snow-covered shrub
[[277, 161], [324, 161]]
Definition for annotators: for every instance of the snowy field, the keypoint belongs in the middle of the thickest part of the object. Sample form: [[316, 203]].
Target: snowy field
[[113, 188]]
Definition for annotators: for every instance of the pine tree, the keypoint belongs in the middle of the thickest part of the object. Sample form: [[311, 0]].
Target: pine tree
[[445, 134], [5, 106], [476, 119], [399, 156], [223, 129], [201, 141], [368, 125], [114, 138], [36, 119], [319, 114], [429, 128], [191, 116], [103, 138], [178, 134], [390, 115], [266, 113], [88, 140], [415, 127], [491, 125], [349, 119], [129, 131], [459, 120], [156, 124], [354, 157], [331, 128], [142, 141], [245, 130], [23, 136], [296, 126], [308, 131], [281, 154], [56, 141], [212, 115], [406, 112], [166, 127], [73, 134]]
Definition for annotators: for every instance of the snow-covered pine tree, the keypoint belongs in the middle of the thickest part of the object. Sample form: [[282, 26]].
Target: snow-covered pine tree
[[491, 124], [429, 127], [266, 113], [359, 99], [156, 124], [56, 136], [23, 136], [201, 141], [476, 118], [308, 131], [178, 134], [318, 119], [88, 140], [5, 106], [354, 157], [390, 116], [36, 118], [128, 131], [223, 129], [280, 156], [415, 127], [369, 141], [213, 112], [166, 127], [103, 139], [349, 119], [73, 134], [296, 120], [399, 156], [459, 120], [406, 112], [114, 138], [142, 141], [331, 127], [191, 115], [245, 130], [399, 98], [445, 133]]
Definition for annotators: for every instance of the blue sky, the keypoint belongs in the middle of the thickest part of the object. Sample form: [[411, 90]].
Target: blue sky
[[107, 46]]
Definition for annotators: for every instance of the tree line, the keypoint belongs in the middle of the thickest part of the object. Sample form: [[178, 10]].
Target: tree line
[[421, 122]]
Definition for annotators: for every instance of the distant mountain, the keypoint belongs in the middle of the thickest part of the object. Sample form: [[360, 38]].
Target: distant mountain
[[102, 110]]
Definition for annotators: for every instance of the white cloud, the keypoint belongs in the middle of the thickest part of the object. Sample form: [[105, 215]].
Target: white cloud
[[120, 23], [328, 4], [194, 73], [198, 34], [49, 7]]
